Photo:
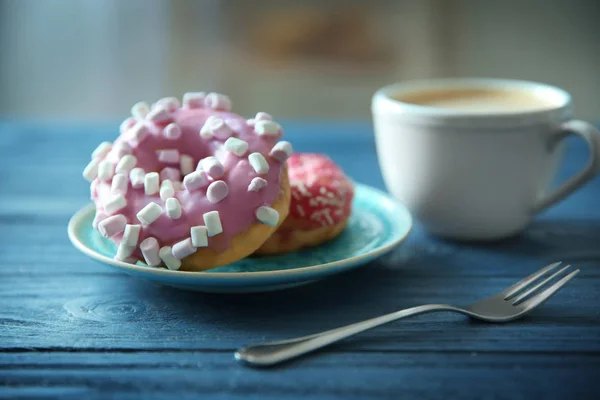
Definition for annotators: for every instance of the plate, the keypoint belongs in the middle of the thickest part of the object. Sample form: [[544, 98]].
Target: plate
[[378, 224]]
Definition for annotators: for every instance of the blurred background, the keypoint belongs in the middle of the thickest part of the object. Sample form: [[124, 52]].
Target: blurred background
[[92, 59]]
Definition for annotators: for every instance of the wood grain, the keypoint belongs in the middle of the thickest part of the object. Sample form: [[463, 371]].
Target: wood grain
[[73, 328]]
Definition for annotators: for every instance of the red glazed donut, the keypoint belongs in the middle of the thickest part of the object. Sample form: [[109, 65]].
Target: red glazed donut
[[320, 207], [190, 187]]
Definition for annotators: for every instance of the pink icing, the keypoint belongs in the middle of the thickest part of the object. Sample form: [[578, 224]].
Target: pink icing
[[236, 205]]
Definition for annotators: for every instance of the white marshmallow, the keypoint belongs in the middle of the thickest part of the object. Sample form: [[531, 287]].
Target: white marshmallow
[[218, 101], [102, 150], [194, 99], [149, 214], [124, 251], [126, 164], [266, 127], [106, 170], [149, 248], [166, 190], [151, 181], [137, 177], [173, 208], [126, 124], [206, 131], [158, 114], [212, 167], [170, 103], [140, 110], [183, 249], [267, 215], [199, 236], [281, 151], [186, 164], [258, 162], [115, 203], [131, 235], [119, 184], [168, 258], [236, 146], [90, 172], [213, 223]]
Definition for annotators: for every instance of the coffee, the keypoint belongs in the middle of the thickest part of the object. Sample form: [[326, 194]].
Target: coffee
[[477, 100]]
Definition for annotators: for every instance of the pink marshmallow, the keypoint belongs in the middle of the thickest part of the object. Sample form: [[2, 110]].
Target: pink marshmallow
[[112, 225], [196, 180], [149, 248], [172, 131], [172, 174], [217, 191], [170, 156], [256, 184], [183, 249]]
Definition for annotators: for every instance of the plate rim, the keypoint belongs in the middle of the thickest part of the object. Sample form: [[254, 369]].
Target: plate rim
[[76, 219]]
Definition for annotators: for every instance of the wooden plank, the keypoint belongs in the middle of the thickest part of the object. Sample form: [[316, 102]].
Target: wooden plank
[[325, 376], [107, 311]]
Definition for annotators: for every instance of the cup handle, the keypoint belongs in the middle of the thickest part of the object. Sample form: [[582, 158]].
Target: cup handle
[[591, 135]]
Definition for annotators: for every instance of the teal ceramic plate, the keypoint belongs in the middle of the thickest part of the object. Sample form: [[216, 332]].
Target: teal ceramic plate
[[377, 225]]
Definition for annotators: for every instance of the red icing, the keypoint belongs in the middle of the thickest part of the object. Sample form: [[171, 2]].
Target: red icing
[[321, 193]]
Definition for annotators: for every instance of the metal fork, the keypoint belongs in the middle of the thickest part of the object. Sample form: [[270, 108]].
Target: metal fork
[[508, 305]]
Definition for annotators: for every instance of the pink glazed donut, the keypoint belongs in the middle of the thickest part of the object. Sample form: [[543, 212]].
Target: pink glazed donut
[[190, 187]]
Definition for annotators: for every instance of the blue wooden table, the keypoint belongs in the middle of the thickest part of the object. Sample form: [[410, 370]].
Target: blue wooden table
[[71, 328]]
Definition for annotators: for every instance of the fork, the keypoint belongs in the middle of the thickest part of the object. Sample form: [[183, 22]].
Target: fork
[[507, 305]]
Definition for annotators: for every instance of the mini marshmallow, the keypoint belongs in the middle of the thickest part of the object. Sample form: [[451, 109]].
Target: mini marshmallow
[[115, 203], [177, 185], [216, 127], [169, 103], [172, 131], [173, 208], [102, 150], [196, 180], [90, 172], [194, 99], [124, 251], [170, 156], [258, 162], [149, 214], [267, 215], [140, 110], [126, 164], [170, 261], [126, 125], [263, 116], [166, 189], [236, 146], [121, 149], [217, 191], [281, 151], [149, 248], [186, 164], [171, 174], [199, 236], [106, 170], [212, 166], [137, 177], [139, 132], [256, 184], [119, 184], [218, 101], [183, 249], [213, 223], [100, 216], [131, 235], [158, 114], [266, 127], [112, 225], [151, 182]]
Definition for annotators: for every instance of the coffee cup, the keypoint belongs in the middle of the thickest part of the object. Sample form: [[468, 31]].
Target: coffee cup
[[474, 159]]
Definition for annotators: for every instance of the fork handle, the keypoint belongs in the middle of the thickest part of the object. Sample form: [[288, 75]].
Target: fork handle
[[271, 353]]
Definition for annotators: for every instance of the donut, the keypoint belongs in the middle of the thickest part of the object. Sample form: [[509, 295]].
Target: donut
[[190, 186], [320, 206]]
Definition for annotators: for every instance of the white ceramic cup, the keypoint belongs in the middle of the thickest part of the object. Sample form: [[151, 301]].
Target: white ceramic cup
[[471, 175]]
